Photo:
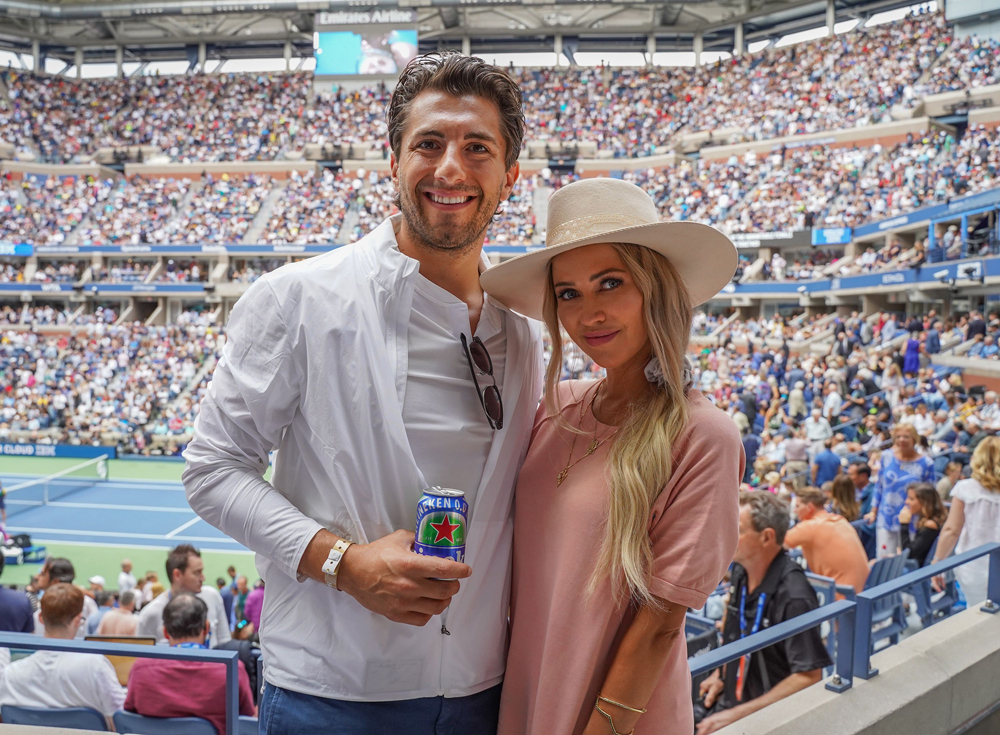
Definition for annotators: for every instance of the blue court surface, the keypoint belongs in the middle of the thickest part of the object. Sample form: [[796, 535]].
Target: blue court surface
[[114, 512]]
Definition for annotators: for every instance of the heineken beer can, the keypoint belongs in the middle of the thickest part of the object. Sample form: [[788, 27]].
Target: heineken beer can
[[442, 519]]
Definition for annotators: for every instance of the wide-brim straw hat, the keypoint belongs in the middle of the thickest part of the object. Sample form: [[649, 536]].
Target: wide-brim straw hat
[[602, 210]]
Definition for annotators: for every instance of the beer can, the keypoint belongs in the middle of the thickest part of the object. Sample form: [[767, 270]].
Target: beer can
[[442, 520]]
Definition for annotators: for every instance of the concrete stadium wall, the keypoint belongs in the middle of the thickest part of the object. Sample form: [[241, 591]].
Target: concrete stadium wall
[[884, 133], [938, 682], [938, 104]]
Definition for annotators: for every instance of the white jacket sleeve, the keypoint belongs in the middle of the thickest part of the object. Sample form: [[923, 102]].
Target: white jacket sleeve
[[252, 398]]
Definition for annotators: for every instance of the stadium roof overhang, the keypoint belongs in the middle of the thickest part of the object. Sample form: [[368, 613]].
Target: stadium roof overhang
[[166, 30]]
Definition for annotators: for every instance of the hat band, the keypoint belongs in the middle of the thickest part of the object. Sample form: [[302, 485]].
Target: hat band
[[589, 226]]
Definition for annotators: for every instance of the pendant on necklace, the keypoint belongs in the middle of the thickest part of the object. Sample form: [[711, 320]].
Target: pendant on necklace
[[593, 447], [561, 476]]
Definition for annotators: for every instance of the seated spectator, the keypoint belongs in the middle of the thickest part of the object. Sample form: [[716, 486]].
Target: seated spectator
[[185, 570], [59, 680], [15, 609], [926, 511], [952, 474], [829, 543], [173, 688], [58, 570], [104, 600], [766, 584], [121, 620], [843, 499]]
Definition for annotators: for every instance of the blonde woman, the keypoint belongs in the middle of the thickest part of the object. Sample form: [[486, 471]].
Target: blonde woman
[[892, 384], [974, 519], [626, 508]]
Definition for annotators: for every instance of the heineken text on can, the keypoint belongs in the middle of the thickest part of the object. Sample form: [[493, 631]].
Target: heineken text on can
[[442, 519]]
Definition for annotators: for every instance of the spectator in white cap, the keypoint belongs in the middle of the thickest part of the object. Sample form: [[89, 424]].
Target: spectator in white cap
[[97, 583]]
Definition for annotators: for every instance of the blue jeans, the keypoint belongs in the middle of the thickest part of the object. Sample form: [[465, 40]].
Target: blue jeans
[[284, 712]]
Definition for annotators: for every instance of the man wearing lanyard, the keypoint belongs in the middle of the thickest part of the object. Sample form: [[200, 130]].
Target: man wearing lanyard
[[173, 688], [767, 588]]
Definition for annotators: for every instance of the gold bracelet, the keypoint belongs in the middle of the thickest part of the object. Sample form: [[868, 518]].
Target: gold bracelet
[[619, 704], [611, 722]]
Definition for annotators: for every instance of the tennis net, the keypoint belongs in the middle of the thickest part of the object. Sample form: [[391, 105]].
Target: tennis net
[[24, 496]]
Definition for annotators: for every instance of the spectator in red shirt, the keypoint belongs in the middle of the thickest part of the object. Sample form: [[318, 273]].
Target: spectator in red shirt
[[170, 688]]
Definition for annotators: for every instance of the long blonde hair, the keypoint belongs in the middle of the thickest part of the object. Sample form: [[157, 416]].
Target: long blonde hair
[[986, 463], [640, 456]]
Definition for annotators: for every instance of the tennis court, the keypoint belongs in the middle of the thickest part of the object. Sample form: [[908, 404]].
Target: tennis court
[[90, 515]]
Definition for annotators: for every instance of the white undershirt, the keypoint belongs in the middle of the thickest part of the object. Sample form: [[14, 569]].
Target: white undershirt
[[445, 422]]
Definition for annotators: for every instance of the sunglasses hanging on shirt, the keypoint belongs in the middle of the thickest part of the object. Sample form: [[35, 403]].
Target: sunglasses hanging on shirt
[[480, 363]]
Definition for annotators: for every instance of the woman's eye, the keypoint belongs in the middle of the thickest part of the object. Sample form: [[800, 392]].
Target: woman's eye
[[609, 284], [566, 295]]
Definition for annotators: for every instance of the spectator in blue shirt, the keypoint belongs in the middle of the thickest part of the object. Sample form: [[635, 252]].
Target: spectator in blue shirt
[[990, 348], [15, 610], [826, 465], [751, 445], [932, 344], [227, 599]]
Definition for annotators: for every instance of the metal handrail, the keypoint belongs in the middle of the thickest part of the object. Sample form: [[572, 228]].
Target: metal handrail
[[843, 610], [27, 641], [854, 616], [866, 600]]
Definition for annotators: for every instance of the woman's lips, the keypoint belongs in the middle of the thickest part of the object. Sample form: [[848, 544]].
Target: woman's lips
[[600, 338]]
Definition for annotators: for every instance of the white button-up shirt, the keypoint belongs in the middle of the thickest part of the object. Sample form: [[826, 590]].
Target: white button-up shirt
[[316, 365]]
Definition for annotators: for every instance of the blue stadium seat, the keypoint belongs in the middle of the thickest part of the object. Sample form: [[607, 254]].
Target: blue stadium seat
[[931, 610], [130, 722], [77, 718], [888, 608], [248, 725]]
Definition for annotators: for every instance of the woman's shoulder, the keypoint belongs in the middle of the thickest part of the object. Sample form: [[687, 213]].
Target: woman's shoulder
[[970, 489], [707, 422]]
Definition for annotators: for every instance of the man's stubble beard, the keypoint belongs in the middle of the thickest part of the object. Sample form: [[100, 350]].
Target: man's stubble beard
[[445, 240]]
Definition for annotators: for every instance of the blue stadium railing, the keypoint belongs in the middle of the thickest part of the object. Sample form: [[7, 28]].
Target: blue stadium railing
[[854, 622], [29, 642]]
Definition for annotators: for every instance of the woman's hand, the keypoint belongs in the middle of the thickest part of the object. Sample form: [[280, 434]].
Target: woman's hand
[[711, 688], [938, 583], [905, 516], [871, 515]]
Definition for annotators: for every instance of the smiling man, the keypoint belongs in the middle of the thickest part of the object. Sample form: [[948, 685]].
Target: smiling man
[[378, 370]]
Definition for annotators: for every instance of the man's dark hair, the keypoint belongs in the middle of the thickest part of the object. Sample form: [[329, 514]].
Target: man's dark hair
[[185, 616], [458, 75], [103, 598], [862, 467], [220, 583], [178, 559], [767, 510], [60, 570]]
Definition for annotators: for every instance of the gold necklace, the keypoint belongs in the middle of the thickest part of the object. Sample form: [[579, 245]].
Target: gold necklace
[[591, 448]]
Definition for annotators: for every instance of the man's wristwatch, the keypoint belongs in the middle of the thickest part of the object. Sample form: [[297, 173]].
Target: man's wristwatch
[[332, 564]]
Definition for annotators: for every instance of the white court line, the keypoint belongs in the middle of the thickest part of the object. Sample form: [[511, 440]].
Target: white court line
[[109, 481], [149, 547], [183, 527], [110, 506], [113, 534], [99, 506]]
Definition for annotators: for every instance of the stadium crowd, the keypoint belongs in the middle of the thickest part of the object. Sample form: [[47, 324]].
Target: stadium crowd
[[851, 79], [179, 613], [105, 384]]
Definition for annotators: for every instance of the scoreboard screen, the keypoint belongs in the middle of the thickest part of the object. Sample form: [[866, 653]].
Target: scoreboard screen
[[365, 43]]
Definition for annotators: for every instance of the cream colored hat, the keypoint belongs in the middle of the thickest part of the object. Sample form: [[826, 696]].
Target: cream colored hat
[[601, 210]]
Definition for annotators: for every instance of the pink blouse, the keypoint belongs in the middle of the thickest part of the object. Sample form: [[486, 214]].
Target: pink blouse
[[562, 641]]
